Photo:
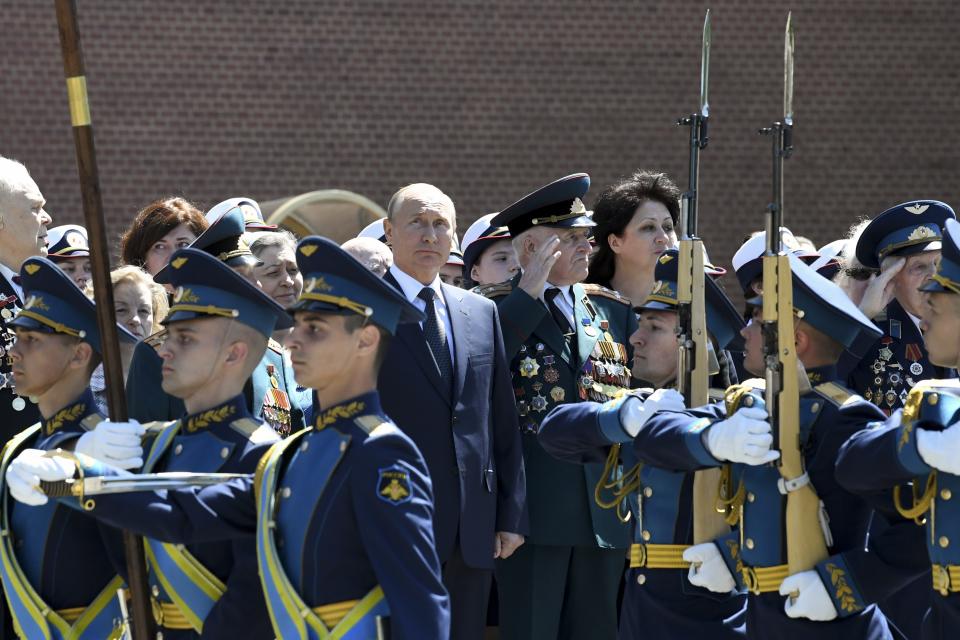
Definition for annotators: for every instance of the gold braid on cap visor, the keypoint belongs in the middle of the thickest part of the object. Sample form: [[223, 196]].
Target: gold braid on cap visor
[[340, 301], [946, 282], [56, 326]]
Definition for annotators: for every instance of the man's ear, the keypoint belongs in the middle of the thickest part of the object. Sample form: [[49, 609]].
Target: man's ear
[[388, 230], [237, 352], [369, 340], [82, 354], [802, 340]]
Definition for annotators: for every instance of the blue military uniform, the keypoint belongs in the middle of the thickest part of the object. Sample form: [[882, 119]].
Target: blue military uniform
[[563, 581], [341, 513], [756, 553], [885, 464], [271, 393], [659, 601], [209, 589], [57, 585], [897, 360]]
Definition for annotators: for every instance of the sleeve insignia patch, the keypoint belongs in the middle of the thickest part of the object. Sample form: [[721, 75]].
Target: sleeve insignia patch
[[393, 485]]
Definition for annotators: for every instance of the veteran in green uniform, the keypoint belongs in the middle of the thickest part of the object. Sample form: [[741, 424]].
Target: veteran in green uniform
[[568, 342]]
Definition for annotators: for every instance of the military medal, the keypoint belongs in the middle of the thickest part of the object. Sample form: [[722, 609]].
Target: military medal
[[550, 374], [539, 403], [890, 397], [885, 353], [557, 393], [522, 408], [537, 386], [6, 313], [914, 354], [529, 367], [916, 368], [894, 378], [540, 348]]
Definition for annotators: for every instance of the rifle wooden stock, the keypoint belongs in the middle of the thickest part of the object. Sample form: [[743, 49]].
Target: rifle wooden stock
[[141, 610], [694, 381], [806, 545]]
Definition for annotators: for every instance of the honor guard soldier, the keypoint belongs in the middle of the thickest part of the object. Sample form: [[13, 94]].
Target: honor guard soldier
[[56, 562], [832, 600], [342, 512], [67, 247], [658, 601], [217, 331], [568, 343], [903, 244], [271, 393], [917, 449]]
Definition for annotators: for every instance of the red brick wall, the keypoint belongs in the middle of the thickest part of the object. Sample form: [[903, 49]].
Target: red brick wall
[[488, 100]]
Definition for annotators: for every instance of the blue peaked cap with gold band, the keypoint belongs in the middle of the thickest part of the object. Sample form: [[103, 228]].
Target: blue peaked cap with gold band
[[206, 287], [947, 277], [903, 230], [558, 204], [825, 306], [54, 304], [223, 239], [724, 322], [334, 281]]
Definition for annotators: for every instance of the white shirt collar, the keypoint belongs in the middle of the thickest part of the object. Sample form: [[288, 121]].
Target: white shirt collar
[[10, 274], [915, 319], [412, 287], [566, 291]]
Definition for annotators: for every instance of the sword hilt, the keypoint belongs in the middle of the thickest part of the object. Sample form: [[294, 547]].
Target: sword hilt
[[57, 489]]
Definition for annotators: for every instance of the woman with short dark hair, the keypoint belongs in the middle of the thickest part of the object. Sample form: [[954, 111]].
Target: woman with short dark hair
[[635, 224], [161, 228]]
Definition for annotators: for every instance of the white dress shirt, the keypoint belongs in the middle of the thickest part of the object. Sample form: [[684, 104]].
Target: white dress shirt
[[411, 288], [564, 301], [10, 274]]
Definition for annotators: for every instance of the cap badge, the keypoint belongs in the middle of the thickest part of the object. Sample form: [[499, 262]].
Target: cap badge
[[921, 233], [308, 249], [577, 207], [665, 258], [917, 209], [185, 295], [32, 268], [317, 284], [179, 262]]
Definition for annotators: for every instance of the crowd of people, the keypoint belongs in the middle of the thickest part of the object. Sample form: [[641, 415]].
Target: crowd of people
[[434, 435]]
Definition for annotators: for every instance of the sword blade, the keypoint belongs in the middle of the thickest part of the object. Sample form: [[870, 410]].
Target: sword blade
[[100, 485], [705, 68], [788, 72]]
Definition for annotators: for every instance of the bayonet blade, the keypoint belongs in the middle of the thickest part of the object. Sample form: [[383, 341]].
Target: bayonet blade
[[705, 68], [788, 72]]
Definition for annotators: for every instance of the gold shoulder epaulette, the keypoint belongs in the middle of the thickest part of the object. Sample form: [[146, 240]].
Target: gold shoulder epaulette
[[369, 423], [839, 394], [275, 346], [91, 421], [254, 431], [156, 339], [602, 292], [494, 290], [716, 395]]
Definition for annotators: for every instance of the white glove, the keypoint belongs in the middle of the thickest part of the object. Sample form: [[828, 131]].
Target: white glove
[[116, 443], [635, 412], [941, 449], [807, 597], [744, 437], [29, 468], [707, 568]]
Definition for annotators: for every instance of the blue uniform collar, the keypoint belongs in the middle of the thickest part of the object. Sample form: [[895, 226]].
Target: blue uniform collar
[[819, 375], [225, 413], [341, 415], [70, 417]]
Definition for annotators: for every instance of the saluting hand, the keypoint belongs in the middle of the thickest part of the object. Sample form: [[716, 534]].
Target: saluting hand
[[536, 272], [29, 468], [879, 292], [505, 543]]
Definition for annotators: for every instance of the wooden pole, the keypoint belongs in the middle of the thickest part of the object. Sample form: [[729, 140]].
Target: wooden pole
[[143, 627]]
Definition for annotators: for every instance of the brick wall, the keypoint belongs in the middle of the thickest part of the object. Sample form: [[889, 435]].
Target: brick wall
[[488, 100]]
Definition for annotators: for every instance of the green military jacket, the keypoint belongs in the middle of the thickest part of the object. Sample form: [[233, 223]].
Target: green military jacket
[[560, 495]]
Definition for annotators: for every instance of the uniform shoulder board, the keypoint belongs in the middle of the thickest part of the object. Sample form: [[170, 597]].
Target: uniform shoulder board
[[156, 339], [597, 291], [275, 346], [91, 421], [372, 423], [839, 394], [254, 431], [493, 290], [156, 427]]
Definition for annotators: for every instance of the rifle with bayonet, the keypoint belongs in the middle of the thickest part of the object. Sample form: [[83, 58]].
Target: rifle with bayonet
[[143, 621], [693, 374], [806, 544]]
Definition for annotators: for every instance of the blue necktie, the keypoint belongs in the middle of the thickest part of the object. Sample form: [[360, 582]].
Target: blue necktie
[[436, 335]]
